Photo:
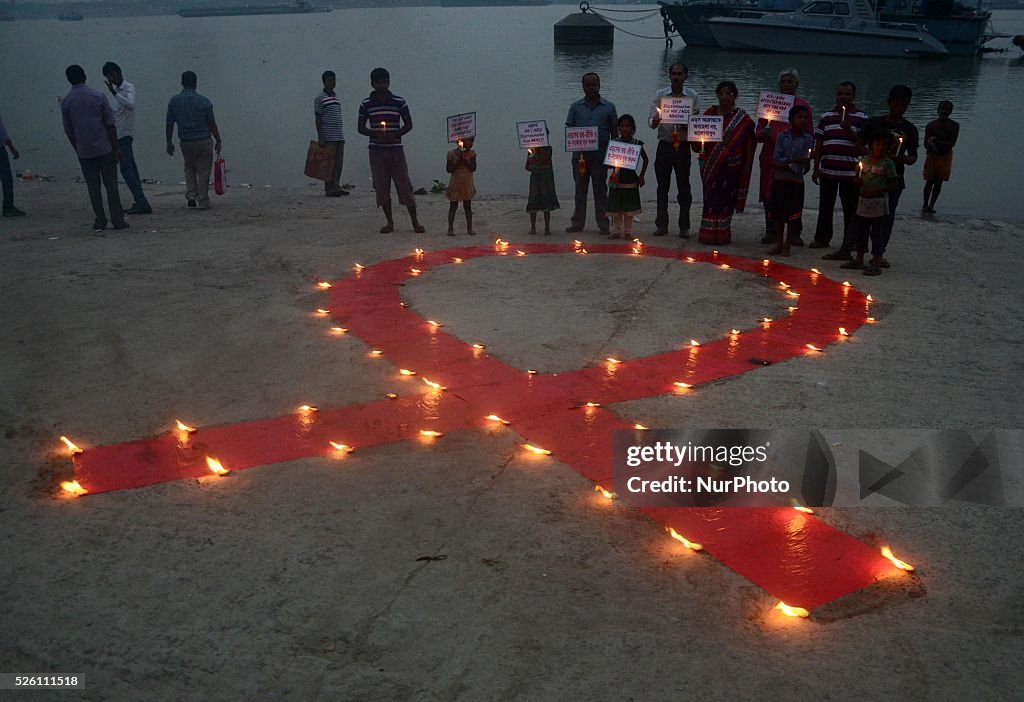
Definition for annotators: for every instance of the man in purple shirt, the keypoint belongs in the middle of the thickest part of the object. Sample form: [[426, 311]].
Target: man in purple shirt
[[89, 124]]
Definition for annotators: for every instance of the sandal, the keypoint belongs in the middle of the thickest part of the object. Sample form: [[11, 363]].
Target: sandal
[[853, 266]]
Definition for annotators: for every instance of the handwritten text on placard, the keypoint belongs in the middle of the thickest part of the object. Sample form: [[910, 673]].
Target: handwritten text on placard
[[581, 139], [707, 128], [462, 127], [532, 134], [622, 155], [774, 106], [676, 110]]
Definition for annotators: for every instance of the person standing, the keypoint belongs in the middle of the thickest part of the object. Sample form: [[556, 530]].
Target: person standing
[[123, 93], [768, 134], [835, 170], [673, 154], [193, 113], [902, 151], [389, 120], [940, 137], [6, 177], [588, 166], [329, 132], [89, 125]]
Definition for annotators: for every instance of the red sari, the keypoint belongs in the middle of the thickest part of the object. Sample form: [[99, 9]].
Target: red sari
[[725, 173]]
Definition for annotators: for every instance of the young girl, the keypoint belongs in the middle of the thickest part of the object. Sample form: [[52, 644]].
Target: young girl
[[542, 187], [624, 184], [461, 164], [876, 178]]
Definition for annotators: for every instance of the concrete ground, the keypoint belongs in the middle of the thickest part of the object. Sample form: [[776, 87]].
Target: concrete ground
[[300, 581]]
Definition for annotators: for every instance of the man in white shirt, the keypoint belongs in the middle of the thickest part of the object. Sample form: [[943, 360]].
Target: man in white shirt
[[123, 106], [673, 155]]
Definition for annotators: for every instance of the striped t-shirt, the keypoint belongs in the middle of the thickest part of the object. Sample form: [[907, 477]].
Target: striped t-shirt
[[193, 114], [391, 110], [328, 108], [839, 152]]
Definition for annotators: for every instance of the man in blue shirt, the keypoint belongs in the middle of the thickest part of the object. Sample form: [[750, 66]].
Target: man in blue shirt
[[193, 113], [89, 125], [592, 111]]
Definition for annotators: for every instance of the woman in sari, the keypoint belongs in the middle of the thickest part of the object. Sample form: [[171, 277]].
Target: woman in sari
[[725, 167]]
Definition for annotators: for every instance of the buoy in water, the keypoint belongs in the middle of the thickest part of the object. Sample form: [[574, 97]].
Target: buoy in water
[[584, 28]]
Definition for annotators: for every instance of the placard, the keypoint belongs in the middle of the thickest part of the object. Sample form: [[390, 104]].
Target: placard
[[581, 138], [532, 135], [706, 128], [461, 127], [675, 110], [622, 155], [774, 107]]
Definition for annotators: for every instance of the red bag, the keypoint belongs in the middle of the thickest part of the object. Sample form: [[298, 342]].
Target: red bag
[[220, 176]]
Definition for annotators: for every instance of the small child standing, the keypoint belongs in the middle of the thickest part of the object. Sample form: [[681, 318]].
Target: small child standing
[[876, 178], [624, 184], [791, 160], [461, 164], [939, 139], [542, 187]]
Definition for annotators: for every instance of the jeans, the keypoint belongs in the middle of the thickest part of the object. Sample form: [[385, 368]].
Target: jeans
[[847, 191], [103, 168], [597, 173], [6, 178], [130, 172], [666, 162]]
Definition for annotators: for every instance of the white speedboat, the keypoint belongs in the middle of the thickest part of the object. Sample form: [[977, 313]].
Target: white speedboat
[[837, 27]]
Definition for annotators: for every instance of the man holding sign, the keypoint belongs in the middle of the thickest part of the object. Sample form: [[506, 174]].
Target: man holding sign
[[772, 120], [673, 156], [588, 166]]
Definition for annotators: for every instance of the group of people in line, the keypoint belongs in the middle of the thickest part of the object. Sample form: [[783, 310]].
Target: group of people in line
[[858, 160]]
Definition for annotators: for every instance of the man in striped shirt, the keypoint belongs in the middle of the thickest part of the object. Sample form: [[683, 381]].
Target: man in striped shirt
[[835, 169], [193, 113], [385, 118], [329, 133]]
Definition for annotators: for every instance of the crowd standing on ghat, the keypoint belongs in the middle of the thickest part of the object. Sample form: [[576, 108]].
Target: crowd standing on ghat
[[853, 158]]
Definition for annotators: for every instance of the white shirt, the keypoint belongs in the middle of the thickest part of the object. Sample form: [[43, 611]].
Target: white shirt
[[665, 130], [124, 109]]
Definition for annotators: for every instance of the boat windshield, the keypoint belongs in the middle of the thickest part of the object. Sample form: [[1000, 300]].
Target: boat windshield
[[820, 8]]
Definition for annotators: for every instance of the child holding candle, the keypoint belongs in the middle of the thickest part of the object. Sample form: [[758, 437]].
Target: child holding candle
[[876, 178], [542, 187], [461, 164], [624, 184]]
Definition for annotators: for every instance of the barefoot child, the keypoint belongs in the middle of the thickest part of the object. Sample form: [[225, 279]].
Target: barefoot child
[[792, 159], [542, 187], [461, 164], [876, 178], [939, 139], [624, 184]]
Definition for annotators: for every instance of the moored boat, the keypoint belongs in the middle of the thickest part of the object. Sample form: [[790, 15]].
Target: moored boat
[[300, 7]]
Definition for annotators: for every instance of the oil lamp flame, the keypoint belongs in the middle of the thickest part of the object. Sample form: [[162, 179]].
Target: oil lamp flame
[[434, 324], [793, 293], [843, 332], [684, 386], [520, 253], [71, 446], [435, 386], [792, 611], [613, 361], [805, 510], [691, 259], [216, 466], [417, 252], [531, 371], [606, 493], [766, 320], [592, 405], [344, 448], [576, 243], [537, 449], [640, 427], [415, 271], [430, 433], [694, 342], [583, 251], [870, 299], [376, 352], [846, 283], [404, 371], [181, 426], [816, 271], [812, 347], [339, 330], [391, 396], [784, 286], [359, 267], [870, 320], [887, 552], [323, 284], [734, 331], [766, 261], [496, 418], [692, 545], [480, 347], [724, 266], [308, 409], [321, 310], [457, 260]]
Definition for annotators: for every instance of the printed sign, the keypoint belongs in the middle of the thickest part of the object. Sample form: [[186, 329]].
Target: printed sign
[[675, 110], [707, 128], [581, 138], [774, 107], [622, 155], [532, 134], [461, 127]]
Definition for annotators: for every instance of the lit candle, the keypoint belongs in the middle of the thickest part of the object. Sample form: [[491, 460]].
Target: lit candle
[[843, 118]]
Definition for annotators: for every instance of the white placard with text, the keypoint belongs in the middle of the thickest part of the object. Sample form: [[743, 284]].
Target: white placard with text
[[580, 139], [461, 127], [533, 134], [774, 106], [676, 110], [622, 155], [706, 128]]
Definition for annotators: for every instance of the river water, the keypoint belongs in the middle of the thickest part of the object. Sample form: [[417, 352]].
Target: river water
[[262, 74]]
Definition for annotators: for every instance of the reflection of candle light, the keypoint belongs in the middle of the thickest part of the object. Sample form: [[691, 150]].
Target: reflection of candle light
[[724, 266], [870, 320]]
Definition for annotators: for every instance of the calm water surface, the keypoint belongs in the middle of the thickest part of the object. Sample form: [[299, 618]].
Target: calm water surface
[[263, 72]]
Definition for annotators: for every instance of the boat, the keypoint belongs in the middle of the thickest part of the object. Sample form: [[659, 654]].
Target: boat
[[962, 30], [836, 27], [70, 18], [300, 7]]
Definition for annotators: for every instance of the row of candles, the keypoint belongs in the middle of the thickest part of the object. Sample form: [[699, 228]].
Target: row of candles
[[216, 467]]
